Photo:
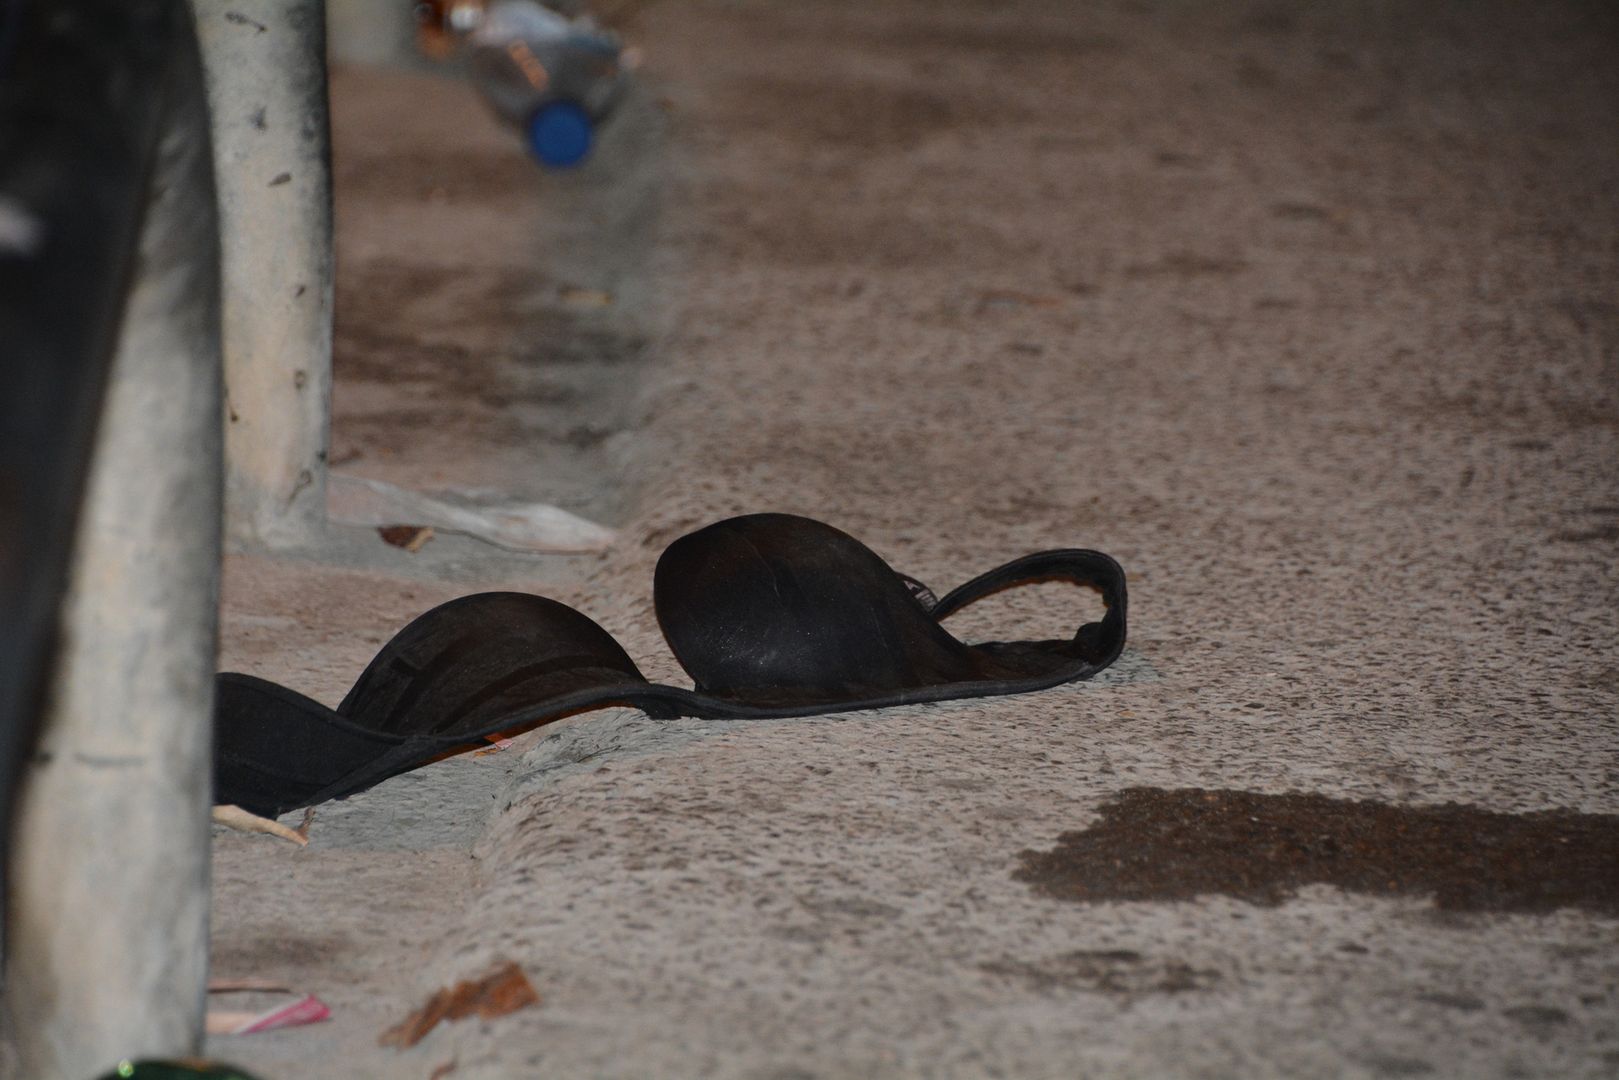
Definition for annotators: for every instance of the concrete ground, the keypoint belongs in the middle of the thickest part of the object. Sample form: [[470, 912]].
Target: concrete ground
[[1306, 313]]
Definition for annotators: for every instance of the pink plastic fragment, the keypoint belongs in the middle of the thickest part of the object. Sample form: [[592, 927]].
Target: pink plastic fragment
[[308, 1010]]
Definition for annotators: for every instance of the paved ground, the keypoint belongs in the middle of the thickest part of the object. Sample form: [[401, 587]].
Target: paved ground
[[1306, 315]]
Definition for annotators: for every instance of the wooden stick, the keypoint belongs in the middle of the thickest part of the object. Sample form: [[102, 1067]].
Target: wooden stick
[[234, 817]]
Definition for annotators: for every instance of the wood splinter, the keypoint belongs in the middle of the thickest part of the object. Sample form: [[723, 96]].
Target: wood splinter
[[234, 817]]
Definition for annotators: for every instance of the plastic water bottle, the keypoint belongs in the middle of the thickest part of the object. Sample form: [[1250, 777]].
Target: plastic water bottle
[[555, 77]]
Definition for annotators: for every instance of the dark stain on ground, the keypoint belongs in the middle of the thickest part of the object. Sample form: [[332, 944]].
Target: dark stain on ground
[[1122, 972], [1023, 44], [1168, 845], [1536, 1016], [495, 176], [1605, 679], [868, 114], [1185, 264], [1294, 211], [545, 377], [928, 33], [1386, 1065], [1599, 534], [1268, 23], [268, 955]]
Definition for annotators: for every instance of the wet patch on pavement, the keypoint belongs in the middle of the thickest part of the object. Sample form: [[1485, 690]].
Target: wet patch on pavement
[[1168, 845]]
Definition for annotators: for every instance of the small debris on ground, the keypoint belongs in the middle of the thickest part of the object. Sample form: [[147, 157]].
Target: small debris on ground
[[236, 986], [517, 526], [590, 298], [234, 817], [497, 744], [307, 1009], [410, 537], [991, 299], [504, 990]]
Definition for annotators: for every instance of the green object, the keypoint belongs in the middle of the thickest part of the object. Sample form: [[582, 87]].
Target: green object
[[176, 1070]]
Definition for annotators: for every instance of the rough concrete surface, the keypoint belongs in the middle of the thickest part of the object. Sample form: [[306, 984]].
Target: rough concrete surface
[[1306, 313]]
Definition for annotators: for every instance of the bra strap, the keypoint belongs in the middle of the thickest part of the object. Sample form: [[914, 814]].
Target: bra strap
[[1099, 642]]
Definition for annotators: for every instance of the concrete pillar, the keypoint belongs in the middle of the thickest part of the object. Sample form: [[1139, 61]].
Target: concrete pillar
[[107, 912], [265, 64]]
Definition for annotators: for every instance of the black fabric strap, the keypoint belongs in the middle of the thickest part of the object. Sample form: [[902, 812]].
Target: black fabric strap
[[1101, 643]]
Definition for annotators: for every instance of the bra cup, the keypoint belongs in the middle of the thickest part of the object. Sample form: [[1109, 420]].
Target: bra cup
[[482, 657], [772, 616], [778, 607]]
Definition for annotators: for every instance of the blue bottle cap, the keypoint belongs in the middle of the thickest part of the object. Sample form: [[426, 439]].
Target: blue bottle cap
[[560, 134]]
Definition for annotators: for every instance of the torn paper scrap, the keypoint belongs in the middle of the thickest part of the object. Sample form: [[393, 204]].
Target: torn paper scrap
[[518, 526]]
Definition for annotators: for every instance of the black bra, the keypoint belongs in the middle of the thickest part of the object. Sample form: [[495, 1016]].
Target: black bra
[[771, 615]]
